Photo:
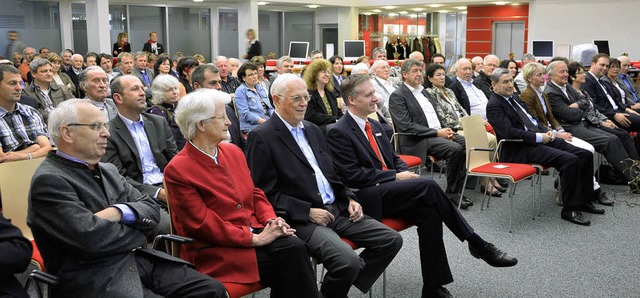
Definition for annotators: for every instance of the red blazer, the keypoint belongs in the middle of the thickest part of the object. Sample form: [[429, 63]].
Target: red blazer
[[215, 204]]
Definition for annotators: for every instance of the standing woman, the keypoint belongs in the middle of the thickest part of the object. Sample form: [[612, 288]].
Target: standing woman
[[252, 102], [121, 45], [263, 81], [165, 93], [512, 67], [337, 69], [253, 45], [323, 109]]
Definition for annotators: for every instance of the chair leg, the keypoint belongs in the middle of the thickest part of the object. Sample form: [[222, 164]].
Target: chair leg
[[513, 191], [462, 192], [384, 283]]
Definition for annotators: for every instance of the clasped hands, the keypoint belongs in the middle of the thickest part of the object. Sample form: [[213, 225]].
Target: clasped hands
[[274, 229]]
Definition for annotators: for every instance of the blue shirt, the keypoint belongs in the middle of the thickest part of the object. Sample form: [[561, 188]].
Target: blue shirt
[[249, 105], [624, 77], [128, 216], [324, 187], [20, 128]]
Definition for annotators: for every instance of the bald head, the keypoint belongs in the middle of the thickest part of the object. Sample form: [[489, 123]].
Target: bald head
[[625, 64], [463, 69], [417, 56]]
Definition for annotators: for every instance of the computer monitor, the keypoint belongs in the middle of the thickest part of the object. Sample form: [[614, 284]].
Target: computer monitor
[[542, 49], [603, 46], [298, 50], [353, 49]]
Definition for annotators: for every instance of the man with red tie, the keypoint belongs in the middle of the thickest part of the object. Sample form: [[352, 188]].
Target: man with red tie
[[363, 156]]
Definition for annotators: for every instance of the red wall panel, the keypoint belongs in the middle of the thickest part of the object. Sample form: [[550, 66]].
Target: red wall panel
[[480, 26]]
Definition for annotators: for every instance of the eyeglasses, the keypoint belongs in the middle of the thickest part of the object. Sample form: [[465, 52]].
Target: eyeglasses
[[221, 117], [255, 74], [94, 126], [298, 98]]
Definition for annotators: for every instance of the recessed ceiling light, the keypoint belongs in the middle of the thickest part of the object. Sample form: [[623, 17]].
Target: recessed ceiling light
[[443, 11], [313, 6], [376, 10], [367, 13], [262, 3], [198, 1], [389, 7], [461, 7], [500, 3], [393, 14], [402, 12], [463, 12], [435, 5], [417, 9]]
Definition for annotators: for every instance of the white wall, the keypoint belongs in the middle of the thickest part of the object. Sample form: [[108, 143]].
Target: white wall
[[582, 21]]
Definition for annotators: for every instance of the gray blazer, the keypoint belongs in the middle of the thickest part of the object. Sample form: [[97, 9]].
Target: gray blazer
[[112, 110], [627, 92], [92, 257], [136, 72]]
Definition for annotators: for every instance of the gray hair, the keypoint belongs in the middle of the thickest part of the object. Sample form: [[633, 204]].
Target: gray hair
[[282, 60], [65, 113], [74, 56], [161, 84], [497, 73], [138, 54], [457, 64], [197, 106], [197, 76], [408, 64], [360, 67], [377, 64], [551, 68], [528, 56], [279, 85], [24, 51], [37, 63], [379, 50], [215, 60], [84, 75], [490, 56]]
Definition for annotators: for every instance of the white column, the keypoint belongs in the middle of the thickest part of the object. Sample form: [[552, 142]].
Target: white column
[[215, 28], [98, 40], [247, 19], [66, 25], [347, 24]]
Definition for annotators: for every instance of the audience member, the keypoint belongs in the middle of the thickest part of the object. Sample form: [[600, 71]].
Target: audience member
[[152, 45], [323, 109], [77, 65], [151, 60], [253, 45], [59, 77], [23, 132], [162, 66], [27, 54], [317, 204], [229, 83], [234, 65], [470, 97], [200, 58], [209, 178], [337, 71], [91, 226], [413, 114], [439, 60], [483, 80], [185, 66], [625, 80], [379, 54], [251, 101], [165, 93], [91, 59], [43, 89], [511, 120], [106, 63], [16, 58], [126, 63], [364, 59], [391, 48], [316, 54], [519, 79], [95, 84], [15, 257], [65, 55], [283, 65], [208, 76], [619, 89], [44, 52], [366, 161], [512, 66], [383, 85], [263, 81], [141, 71], [121, 45]]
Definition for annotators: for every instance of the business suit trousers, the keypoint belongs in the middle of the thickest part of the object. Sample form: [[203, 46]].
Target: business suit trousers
[[609, 144], [165, 278], [422, 200], [454, 152], [344, 266], [634, 119], [575, 166], [284, 266]]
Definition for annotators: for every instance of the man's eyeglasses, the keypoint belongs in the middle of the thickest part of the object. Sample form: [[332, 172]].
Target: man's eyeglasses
[[299, 98], [94, 126], [221, 117]]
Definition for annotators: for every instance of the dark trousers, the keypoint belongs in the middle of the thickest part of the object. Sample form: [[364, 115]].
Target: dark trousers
[[165, 278], [344, 266], [284, 266], [634, 119], [422, 200], [454, 152]]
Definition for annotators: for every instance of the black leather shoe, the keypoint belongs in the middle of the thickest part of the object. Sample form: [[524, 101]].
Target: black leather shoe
[[439, 292], [590, 208], [455, 198], [503, 182], [602, 199], [574, 216], [493, 193], [545, 172], [466, 200], [493, 256]]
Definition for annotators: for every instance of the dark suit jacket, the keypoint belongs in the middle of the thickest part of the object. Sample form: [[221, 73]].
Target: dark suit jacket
[[78, 92], [409, 118], [15, 255], [254, 50], [281, 170], [508, 125], [629, 95], [136, 72], [147, 48], [530, 98], [483, 82], [559, 102], [600, 98], [234, 130], [123, 153], [317, 112], [354, 158], [117, 49], [461, 94]]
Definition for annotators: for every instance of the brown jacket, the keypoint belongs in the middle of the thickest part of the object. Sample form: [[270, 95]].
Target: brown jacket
[[530, 98]]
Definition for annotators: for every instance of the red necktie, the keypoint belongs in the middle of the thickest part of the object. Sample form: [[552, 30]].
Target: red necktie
[[372, 142]]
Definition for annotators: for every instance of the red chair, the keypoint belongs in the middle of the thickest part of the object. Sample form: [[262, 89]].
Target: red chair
[[413, 162], [239, 290]]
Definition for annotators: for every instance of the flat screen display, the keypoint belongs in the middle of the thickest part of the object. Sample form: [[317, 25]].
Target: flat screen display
[[603, 46], [542, 48], [298, 50], [353, 49]]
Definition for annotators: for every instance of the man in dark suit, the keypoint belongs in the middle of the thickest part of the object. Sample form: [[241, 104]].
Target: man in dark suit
[[365, 160], [141, 71], [511, 120], [91, 225], [208, 76], [483, 79], [289, 161], [77, 65], [470, 97], [577, 116], [630, 89], [152, 45], [602, 94], [413, 114], [15, 254], [141, 144]]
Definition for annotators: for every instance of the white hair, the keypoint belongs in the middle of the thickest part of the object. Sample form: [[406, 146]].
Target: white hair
[[360, 68], [65, 113], [279, 85], [161, 84], [197, 106], [377, 64]]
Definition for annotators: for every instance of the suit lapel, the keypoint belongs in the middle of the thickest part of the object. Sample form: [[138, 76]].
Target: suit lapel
[[287, 139], [359, 135], [123, 132], [316, 94], [413, 104]]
